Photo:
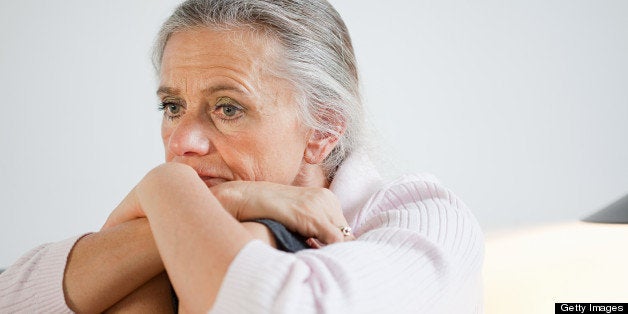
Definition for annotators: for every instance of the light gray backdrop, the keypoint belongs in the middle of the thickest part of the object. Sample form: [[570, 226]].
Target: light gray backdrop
[[519, 106]]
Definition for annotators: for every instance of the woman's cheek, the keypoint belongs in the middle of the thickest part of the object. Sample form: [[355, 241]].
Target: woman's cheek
[[165, 138]]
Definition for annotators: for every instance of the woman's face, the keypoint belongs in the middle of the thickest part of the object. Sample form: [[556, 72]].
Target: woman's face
[[224, 113]]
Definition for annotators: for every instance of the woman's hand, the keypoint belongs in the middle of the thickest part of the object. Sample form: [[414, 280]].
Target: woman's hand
[[160, 186], [311, 212]]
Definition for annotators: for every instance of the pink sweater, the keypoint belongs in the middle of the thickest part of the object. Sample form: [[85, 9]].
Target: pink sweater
[[419, 249]]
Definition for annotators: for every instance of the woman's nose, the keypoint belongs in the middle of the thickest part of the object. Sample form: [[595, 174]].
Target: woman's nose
[[189, 138]]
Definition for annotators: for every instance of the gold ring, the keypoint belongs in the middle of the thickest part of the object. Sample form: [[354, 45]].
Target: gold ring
[[346, 230]]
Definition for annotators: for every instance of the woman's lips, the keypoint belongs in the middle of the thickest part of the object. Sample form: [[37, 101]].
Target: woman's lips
[[212, 181]]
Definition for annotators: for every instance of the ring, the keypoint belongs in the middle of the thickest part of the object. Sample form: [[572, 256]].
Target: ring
[[346, 230]]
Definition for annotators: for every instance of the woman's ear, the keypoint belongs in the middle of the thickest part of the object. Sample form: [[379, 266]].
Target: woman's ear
[[320, 144]]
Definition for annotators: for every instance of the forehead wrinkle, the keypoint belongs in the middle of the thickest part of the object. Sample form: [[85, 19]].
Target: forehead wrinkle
[[205, 82], [266, 63], [245, 71]]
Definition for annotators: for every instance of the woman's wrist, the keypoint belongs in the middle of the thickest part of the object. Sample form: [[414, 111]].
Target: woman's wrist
[[235, 197]]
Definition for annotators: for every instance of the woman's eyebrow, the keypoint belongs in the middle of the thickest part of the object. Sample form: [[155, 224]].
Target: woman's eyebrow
[[210, 90], [221, 88], [167, 90]]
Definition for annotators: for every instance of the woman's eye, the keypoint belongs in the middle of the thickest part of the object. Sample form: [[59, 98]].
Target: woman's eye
[[228, 109], [171, 110]]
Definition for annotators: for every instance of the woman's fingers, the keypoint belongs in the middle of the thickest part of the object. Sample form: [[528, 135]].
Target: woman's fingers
[[311, 212], [332, 233], [313, 243], [318, 215], [329, 235]]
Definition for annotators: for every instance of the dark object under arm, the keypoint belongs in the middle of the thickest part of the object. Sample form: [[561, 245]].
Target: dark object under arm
[[287, 240]]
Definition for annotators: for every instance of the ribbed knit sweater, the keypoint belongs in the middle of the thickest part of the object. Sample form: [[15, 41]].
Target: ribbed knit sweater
[[418, 250]]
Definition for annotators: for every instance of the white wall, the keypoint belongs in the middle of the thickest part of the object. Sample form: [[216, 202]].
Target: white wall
[[519, 106]]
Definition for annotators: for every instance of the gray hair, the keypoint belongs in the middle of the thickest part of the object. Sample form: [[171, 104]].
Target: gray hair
[[319, 59]]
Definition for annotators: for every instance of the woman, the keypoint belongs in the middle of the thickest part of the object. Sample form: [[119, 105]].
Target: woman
[[262, 119]]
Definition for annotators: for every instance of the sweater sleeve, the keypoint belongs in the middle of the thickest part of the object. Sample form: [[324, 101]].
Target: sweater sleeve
[[418, 249], [34, 283]]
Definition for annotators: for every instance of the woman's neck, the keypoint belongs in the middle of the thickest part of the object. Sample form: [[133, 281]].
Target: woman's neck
[[311, 176]]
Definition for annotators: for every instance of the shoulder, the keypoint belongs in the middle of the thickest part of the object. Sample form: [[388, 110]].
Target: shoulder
[[407, 189], [410, 191], [418, 212], [418, 202]]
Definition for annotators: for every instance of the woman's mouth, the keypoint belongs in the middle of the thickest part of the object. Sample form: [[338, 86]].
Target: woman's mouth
[[212, 181]]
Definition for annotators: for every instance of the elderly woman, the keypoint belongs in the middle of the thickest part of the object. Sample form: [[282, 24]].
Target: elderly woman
[[262, 120]]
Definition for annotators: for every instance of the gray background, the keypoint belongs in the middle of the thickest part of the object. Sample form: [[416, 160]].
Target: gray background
[[519, 106]]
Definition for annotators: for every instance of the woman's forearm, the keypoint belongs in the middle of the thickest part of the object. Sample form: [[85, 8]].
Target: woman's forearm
[[197, 248], [106, 266], [197, 239], [154, 297]]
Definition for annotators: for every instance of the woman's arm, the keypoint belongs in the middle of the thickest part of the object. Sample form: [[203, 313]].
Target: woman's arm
[[89, 274], [100, 272], [197, 237], [106, 266], [155, 295], [97, 271], [313, 213]]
